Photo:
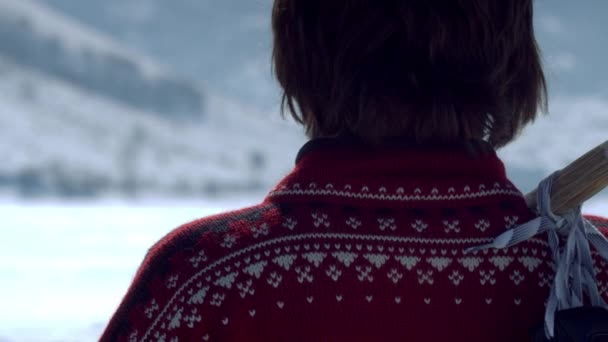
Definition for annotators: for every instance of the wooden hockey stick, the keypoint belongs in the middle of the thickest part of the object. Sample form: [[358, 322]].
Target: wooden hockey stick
[[578, 182]]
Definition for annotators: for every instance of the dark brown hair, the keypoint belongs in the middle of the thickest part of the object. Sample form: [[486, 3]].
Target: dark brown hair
[[427, 69]]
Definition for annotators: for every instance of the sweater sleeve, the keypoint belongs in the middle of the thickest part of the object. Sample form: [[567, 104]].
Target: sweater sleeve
[[121, 324], [152, 286]]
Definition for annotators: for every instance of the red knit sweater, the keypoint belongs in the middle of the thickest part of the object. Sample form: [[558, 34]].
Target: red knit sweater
[[356, 244]]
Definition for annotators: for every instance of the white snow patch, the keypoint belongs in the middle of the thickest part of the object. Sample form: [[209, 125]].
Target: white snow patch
[[65, 267]]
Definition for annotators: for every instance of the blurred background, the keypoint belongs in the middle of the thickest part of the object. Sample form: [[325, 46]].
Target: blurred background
[[122, 119]]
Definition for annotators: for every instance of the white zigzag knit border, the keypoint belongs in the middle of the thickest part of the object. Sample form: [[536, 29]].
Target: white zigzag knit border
[[327, 236], [382, 195]]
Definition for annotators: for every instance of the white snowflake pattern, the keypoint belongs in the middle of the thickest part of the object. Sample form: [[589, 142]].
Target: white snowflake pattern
[[151, 309], [517, 277], [439, 263], [304, 274], [482, 225], [227, 280], [376, 259], [511, 221], [274, 279], [364, 273], [198, 259], [285, 261], [394, 275], [198, 297], [451, 226], [160, 337], [172, 281], [530, 263], [256, 269], [501, 262], [333, 272], [262, 230], [420, 226], [387, 223], [246, 288], [229, 241], [408, 262], [347, 258], [470, 263], [487, 277], [290, 223], [175, 318], [315, 258], [192, 318], [456, 277], [354, 223], [320, 219], [217, 299], [425, 277]]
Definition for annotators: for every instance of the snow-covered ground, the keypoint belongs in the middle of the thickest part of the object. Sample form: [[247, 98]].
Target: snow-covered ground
[[65, 267]]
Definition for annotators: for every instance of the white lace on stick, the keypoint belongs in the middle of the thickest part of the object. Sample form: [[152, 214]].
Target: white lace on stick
[[570, 237]]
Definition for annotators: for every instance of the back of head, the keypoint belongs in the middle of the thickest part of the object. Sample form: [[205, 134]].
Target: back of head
[[446, 70]]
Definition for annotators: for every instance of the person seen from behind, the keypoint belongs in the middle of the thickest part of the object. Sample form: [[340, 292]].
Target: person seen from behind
[[405, 103]]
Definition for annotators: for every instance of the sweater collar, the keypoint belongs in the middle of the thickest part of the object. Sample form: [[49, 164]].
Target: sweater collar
[[344, 142], [476, 158], [398, 170]]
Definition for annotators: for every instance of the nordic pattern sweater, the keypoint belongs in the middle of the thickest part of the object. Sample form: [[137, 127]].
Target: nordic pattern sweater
[[356, 244]]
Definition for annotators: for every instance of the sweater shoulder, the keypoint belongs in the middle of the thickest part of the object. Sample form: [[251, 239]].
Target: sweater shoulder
[[207, 239], [214, 231], [178, 256]]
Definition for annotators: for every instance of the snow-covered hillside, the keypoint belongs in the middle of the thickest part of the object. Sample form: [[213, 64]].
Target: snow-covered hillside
[[38, 37], [62, 140], [73, 125], [225, 44]]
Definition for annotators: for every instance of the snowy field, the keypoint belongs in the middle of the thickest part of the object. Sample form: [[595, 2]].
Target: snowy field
[[65, 267]]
